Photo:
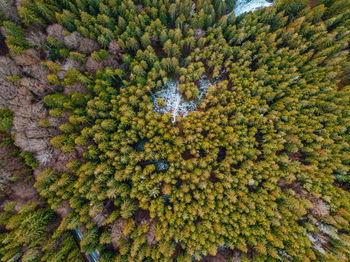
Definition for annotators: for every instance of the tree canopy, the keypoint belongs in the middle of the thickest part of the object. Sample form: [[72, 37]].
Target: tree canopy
[[259, 169]]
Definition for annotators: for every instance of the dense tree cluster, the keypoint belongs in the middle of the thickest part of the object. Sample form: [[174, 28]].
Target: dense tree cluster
[[261, 169], [28, 227], [27, 236]]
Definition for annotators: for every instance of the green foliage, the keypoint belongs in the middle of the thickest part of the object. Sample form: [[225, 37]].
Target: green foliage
[[27, 236], [56, 49], [53, 67], [6, 118], [55, 100], [38, 12], [260, 166], [26, 228], [53, 79], [78, 57], [29, 159], [68, 251], [54, 187], [13, 79], [44, 123], [100, 55], [15, 38]]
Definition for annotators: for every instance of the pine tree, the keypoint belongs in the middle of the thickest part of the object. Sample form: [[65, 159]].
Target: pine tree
[[255, 140], [145, 40]]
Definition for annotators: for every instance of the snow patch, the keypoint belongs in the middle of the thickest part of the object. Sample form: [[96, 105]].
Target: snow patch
[[44, 157], [162, 165], [93, 256], [175, 104], [316, 244], [244, 6], [329, 230]]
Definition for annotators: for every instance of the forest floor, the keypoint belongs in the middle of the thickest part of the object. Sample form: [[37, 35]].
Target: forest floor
[[3, 47], [16, 175]]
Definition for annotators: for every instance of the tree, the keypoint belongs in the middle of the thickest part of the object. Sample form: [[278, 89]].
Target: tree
[[132, 44], [15, 38], [168, 48], [146, 40], [211, 131]]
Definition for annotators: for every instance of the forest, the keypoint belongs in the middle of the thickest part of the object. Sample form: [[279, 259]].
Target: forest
[[174, 130]]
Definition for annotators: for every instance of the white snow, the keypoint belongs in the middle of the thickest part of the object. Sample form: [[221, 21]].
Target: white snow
[[244, 6], [316, 244], [329, 230], [319, 248], [311, 238], [162, 165], [175, 104], [153, 193], [93, 256], [44, 157]]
